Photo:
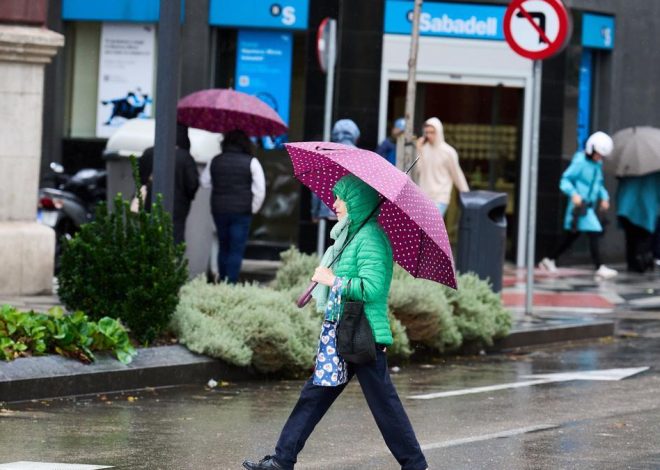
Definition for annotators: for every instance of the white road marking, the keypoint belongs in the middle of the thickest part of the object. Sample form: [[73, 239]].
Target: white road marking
[[24, 465], [487, 437], [539, 379]]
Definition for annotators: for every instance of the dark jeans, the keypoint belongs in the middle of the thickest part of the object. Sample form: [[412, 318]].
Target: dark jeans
[[179, 231], [639, 249], [570, 238], [383, 402], [233, 230]]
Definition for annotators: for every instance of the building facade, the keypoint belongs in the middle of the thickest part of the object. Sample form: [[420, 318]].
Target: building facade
[[467, 76]]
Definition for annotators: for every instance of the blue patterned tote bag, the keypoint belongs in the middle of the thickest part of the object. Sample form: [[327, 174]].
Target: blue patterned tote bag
[[330, 370]]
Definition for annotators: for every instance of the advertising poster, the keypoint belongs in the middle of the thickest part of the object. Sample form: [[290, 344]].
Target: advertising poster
[[126, 74], [263, 69]]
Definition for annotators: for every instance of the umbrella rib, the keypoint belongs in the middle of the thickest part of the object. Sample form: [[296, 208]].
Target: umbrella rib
[[419, 253]]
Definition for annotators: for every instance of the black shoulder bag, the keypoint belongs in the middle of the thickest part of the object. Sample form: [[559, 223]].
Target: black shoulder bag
[[581, 210], [355, 340]]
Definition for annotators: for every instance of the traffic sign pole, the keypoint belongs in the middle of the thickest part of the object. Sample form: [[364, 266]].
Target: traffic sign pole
[[330, 59], [536, 30], [533, 186]]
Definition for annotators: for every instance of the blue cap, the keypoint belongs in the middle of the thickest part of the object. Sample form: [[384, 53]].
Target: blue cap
[[400, 124]]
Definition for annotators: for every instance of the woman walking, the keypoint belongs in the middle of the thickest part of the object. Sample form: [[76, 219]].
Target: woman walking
[[238, 191], [583, 184], [362, 273]]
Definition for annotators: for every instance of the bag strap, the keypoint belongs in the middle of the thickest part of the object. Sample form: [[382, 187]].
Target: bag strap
[[361, 286], [593, 183]]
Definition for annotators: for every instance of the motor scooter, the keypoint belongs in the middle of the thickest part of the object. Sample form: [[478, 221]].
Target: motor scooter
[[70, 203]]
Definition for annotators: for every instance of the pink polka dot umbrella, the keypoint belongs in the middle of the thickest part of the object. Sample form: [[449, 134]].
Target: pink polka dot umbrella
[[411, 220], [222, 110]]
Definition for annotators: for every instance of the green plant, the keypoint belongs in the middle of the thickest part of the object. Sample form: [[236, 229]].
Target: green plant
[[34, 334], [431, 314], [296, 270], [294, 276], [125, 265], [247, 325], [423, 309], [400, 348], [478, 311]]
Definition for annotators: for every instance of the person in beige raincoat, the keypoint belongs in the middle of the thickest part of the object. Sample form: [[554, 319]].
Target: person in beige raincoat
[[438, 169]]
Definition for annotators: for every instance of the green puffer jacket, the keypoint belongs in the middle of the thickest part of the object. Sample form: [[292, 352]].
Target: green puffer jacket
[[367, 259]]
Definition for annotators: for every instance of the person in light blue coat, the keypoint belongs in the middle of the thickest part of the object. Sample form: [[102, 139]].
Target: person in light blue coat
[[638, 209], [583, 183]]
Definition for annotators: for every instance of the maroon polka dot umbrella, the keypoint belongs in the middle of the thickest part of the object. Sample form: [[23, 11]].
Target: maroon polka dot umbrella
[[221, 110], [411, 220]]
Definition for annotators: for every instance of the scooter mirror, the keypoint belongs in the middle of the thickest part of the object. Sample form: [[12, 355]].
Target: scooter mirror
[[56, 167]]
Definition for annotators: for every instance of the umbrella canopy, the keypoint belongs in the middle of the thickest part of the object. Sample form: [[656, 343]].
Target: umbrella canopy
[[636, 151], [221, 110], [410, 219]]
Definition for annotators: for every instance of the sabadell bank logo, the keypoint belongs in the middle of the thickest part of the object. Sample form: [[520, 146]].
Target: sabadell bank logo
[[287, 14], [465, 27]]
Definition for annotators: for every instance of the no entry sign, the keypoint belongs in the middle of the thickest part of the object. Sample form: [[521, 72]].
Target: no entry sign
[[536, 29]]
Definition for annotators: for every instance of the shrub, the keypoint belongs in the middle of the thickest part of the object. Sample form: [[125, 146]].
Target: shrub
[[34, 334], [247, 325], [431, 314], [294, 276], [478, 311], [400, 348], [423, 309], [296, 270], [125, 265]]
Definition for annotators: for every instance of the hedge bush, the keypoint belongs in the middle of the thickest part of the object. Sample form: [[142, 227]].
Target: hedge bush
[[125, 265], [247, 325], [33, 334], [260, 327], [478, 311], [423, 308], [432, 315]]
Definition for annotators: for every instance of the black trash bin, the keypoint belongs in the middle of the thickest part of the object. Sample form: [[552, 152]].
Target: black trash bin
[[482, 235]]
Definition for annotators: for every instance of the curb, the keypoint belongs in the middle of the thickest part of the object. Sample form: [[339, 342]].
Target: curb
[[548, 334], [54, 376], [47, 377]]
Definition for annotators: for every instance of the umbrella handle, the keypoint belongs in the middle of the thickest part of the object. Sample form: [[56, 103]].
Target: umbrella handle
[[306, 296]]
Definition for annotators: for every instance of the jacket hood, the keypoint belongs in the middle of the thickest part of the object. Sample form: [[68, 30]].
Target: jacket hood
[[345, 131], [360, 198], [439, 130]]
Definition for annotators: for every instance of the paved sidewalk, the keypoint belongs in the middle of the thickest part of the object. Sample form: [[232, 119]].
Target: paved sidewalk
[[574, 293]]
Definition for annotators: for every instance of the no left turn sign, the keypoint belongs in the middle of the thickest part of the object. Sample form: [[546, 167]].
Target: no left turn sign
[[536, 29]]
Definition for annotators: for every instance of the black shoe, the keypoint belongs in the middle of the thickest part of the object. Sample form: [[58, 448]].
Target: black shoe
[[267, 463]]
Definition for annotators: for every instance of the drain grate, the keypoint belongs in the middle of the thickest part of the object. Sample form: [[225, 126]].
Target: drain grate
[[48, 466]]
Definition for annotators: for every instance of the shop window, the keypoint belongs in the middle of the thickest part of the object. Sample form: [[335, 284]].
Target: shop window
[[82, 52], [130, 73]]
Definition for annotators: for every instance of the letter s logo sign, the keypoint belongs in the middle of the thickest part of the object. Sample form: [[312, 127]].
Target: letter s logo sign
[[288, 16]]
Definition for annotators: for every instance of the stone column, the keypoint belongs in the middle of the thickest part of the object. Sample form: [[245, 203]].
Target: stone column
[[27, 248]]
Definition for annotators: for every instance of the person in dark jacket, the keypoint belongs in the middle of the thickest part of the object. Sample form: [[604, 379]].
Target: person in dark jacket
[[387, 148], [238, 191], [186, 180], [362, 273]]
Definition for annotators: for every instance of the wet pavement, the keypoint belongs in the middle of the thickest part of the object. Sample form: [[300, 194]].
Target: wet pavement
[[574, 292], [572, 424]]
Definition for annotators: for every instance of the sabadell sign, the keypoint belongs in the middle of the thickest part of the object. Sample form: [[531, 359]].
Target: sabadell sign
[[458, 26], [446, 19]]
